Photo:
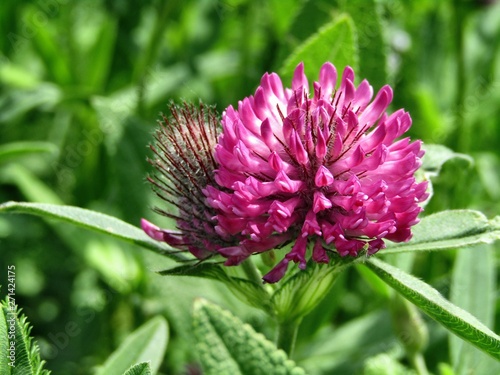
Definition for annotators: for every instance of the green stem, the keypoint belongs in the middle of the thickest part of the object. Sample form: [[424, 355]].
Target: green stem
[[252, 272], [418, 363], [287, 335]]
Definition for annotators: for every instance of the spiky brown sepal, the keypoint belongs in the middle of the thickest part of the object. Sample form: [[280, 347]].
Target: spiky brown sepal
[[184, 163]]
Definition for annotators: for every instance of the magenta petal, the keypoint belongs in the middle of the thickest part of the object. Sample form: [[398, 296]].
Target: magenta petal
[[327, 79], [172, 238], [298, 149], [285, 184], [320, 202], [323, 177], [375, 245], [298, 252], [321, 148], [377, 107], [363, 95], [327, 168], [152, 230], [277, 273], [319, 254], [267, 133], [299, 80], [311, 225]]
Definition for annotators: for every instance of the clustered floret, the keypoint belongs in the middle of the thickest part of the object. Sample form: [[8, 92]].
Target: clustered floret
[[326, 170]]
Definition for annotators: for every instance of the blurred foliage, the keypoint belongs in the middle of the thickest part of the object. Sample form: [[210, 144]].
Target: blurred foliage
[[81, 87]]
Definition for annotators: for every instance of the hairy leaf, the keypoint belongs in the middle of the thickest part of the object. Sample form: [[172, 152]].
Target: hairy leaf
[[95, 221], [143, 368], [20, 355], [228, 346], [449, 230], [335, 42], [428, 299]]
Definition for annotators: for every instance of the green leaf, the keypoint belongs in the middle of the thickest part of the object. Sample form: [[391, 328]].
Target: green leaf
[[343, 349], [15, 150], [445, 369], [115, 262], [32, 187], [473, 289], [16, 103], [247, 291], [375, 283], [147, 343], [113, 112], [227, 346], [15, 339], [17, 76], [372, 47], [458, 321], [205, 269], [488, 168], [432, 162], [140, 369], [117, 265], [95, 221], [56, 60], [283, 13], [335, 42], [437, 155], [301, 292], [101, 55], [433, 125], [449, 230]]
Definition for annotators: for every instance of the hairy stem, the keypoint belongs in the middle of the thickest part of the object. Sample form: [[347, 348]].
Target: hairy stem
[[287, 335], [418, 363], [251, 271]]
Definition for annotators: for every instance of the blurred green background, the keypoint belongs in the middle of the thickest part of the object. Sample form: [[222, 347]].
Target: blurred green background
[[82, 84]]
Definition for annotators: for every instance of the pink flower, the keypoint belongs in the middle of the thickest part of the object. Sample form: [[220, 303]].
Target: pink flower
[[185, 165], [327, 171]]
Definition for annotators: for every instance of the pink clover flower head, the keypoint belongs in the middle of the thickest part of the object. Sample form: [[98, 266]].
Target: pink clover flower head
[[323, 167], [184, 163]]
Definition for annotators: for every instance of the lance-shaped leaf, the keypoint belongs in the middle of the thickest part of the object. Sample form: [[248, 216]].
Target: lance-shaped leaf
[[146, 344], [473, 288], [450, 230], [14, 150], [430, 301], [95, 221], [226, 345]]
